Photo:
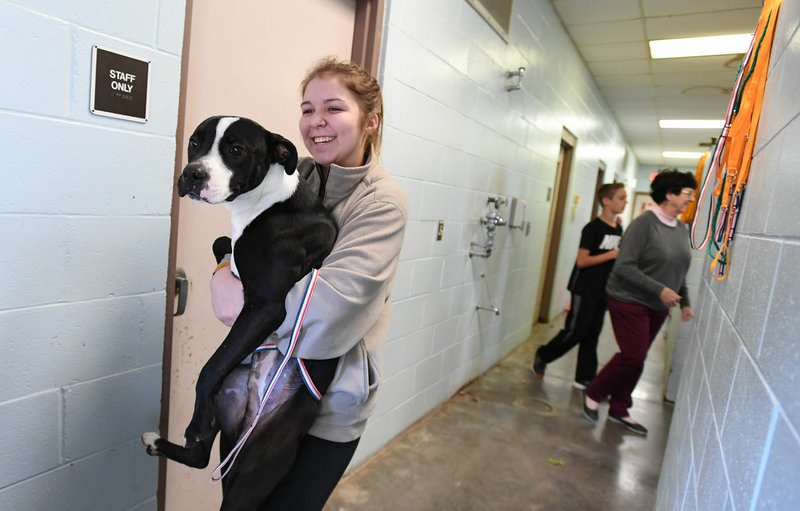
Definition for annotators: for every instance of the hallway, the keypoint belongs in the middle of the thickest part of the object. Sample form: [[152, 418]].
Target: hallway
[[510, 441]]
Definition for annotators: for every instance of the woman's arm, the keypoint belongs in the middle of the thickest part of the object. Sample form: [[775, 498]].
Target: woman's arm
[[353, 284]]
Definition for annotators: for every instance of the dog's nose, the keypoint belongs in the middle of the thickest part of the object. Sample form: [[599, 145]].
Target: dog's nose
[[192, 179]]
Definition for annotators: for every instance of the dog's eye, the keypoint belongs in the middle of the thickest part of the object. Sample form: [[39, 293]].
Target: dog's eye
[[237, 150], [193, 143]]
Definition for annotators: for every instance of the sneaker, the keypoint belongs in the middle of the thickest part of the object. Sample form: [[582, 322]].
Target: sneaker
[[588, 412], [629, 424], [539, 365], [580, 385]]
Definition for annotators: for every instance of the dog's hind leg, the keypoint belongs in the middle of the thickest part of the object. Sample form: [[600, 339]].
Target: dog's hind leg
[[230, 405], [249, 330], [193, 454], [269, 453]]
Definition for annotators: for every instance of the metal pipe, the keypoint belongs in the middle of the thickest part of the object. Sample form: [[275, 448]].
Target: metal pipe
[[490, 308]]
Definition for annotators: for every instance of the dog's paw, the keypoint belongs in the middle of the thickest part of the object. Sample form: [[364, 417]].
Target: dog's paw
[[149, 441]]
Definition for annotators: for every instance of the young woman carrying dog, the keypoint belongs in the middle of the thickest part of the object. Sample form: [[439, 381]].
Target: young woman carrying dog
[[340, 123]]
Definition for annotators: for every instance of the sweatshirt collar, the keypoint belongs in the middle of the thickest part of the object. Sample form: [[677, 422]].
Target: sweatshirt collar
[[343, 180], [663, 217]]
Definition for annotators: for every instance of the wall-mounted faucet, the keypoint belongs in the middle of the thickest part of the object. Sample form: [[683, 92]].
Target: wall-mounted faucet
[[493, 218], [490, 308], [490, 221]]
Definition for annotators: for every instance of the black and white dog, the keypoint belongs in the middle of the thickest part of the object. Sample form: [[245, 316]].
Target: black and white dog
[[280, 232]]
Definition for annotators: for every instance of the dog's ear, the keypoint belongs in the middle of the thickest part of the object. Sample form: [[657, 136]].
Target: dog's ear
[[282, 151]]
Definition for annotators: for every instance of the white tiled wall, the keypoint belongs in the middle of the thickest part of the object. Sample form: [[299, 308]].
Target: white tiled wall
[[734, 441], [85, 223], [453, 137]]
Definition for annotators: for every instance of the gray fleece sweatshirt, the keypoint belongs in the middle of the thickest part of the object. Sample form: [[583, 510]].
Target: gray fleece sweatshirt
[[348, 315], [652, 255]]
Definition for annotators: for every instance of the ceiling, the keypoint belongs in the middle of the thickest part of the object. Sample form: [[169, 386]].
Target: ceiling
[[612, 37]]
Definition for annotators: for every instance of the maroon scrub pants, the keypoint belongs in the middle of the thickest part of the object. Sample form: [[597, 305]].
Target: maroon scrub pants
[[635, 327]]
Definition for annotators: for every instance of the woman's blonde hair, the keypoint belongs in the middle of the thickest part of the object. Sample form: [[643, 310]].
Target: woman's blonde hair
[[363, 86]]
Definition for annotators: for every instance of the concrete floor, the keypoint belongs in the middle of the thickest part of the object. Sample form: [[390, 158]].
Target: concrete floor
[[509, 441]]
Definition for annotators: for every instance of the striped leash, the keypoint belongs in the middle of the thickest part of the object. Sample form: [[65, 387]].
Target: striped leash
[[227, 463]]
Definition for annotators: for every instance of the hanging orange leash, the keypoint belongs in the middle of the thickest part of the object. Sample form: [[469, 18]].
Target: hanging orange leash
[[734, 153], [688, 215]]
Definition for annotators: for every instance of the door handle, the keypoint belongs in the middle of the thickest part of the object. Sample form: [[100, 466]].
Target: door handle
[[181, 290]]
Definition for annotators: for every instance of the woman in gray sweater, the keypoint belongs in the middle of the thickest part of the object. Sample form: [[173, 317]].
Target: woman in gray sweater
[[648, 278], [340, 122]]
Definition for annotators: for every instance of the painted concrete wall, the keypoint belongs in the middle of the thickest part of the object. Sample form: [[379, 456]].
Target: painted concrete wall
[[454, 136], [85, 222], [734, 441]]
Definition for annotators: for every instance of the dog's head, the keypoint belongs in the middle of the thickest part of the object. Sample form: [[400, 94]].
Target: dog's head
[[229, 156]]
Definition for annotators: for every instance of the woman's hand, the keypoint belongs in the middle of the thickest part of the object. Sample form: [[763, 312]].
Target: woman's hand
[[670, 297], [227, 295], [686, 313]]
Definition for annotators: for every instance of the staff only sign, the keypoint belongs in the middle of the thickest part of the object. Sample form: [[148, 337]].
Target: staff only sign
[[119, 85]]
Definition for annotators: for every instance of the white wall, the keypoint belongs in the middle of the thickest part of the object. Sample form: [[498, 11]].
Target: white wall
[[85, 220], [735, 437], [454, 136]]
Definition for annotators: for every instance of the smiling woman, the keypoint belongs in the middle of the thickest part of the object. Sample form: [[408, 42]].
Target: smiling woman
[[341, 113]]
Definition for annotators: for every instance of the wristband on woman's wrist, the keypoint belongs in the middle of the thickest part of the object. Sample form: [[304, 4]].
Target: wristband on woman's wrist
[[220, 266]]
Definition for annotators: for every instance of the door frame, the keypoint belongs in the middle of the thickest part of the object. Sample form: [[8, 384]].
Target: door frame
[[555, 224], [367, 44], [601, 175]]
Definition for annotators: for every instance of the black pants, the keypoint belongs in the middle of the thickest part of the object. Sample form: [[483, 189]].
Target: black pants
[[582, 327], [315, 473]]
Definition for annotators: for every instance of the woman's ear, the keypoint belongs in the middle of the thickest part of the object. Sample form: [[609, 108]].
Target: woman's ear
[[371, 123]]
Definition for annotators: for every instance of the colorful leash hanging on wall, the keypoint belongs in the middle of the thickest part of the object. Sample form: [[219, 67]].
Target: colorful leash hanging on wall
[[730, 164], [688, 215]]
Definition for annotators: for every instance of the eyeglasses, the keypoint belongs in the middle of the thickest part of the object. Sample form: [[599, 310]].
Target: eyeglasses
[[688, 192]]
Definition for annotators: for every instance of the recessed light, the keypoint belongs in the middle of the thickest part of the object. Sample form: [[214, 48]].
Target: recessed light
[[682, 154], [699, 46], [692, 123]]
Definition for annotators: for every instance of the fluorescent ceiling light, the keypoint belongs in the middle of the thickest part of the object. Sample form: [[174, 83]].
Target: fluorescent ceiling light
[[699, 46], [682, 154], [692, 123]]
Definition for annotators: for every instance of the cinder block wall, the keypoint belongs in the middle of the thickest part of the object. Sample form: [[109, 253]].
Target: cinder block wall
[[734, 441], [85, 227], [453, 137]]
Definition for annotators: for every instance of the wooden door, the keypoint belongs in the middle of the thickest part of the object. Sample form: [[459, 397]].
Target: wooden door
[[568, 142], [244, 59]]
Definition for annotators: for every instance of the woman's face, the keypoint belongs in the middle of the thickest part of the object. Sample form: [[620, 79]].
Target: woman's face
[[332, 125], [681, 200]]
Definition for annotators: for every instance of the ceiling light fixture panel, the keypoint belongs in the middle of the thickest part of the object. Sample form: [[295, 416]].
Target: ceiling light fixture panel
[[684, 155], [691, 123], [700, 46]]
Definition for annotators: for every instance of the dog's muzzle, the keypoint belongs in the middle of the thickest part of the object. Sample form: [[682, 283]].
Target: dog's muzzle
[[193, 180]]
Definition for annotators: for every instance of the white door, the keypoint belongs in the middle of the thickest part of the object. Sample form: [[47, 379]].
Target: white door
[[245, 58]]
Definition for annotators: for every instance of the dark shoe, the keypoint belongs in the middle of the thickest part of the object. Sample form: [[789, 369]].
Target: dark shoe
[[580, 384], [539, 365], [588, 412], [631, 426]]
